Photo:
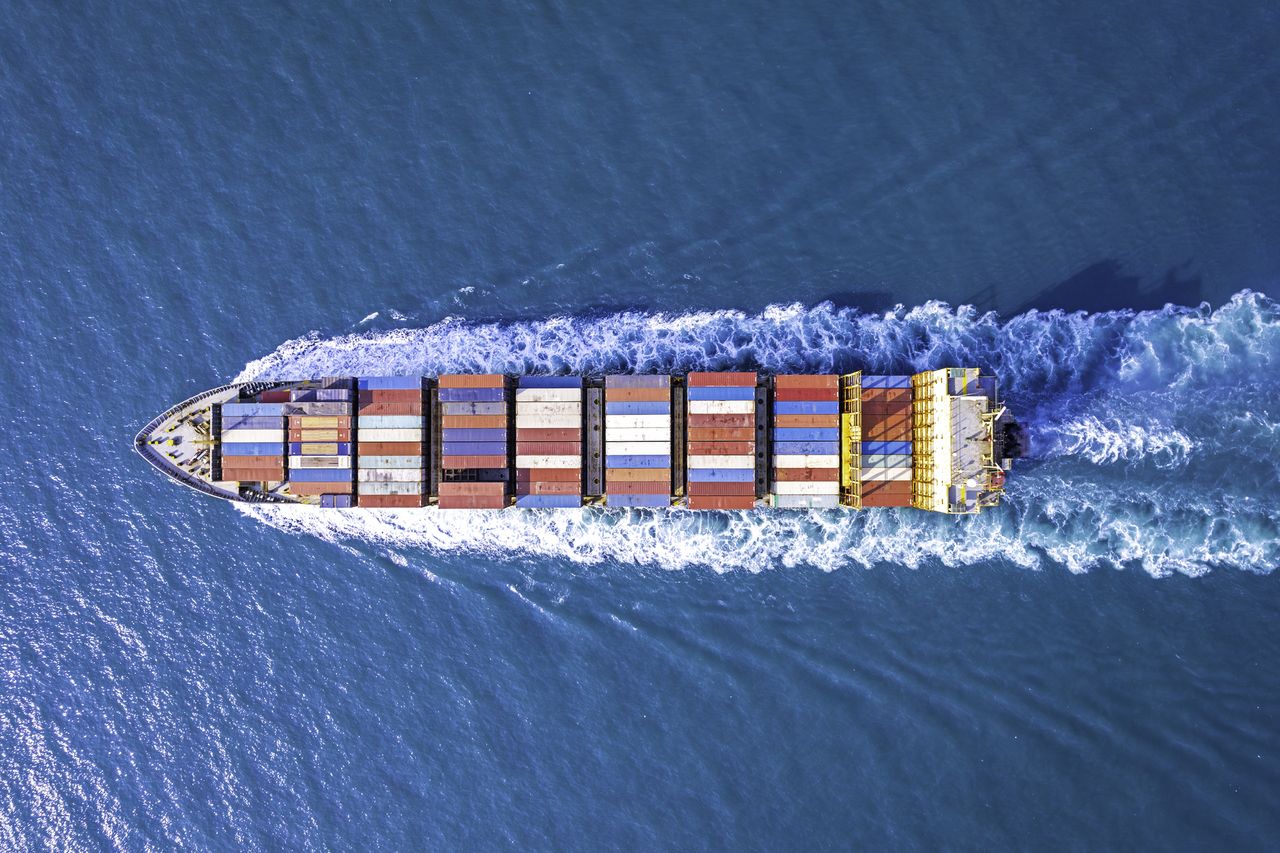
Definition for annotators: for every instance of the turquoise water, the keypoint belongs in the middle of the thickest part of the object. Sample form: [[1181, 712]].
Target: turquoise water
[[192, 195]]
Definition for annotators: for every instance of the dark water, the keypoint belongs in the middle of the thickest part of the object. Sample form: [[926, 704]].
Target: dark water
[[191, 193]]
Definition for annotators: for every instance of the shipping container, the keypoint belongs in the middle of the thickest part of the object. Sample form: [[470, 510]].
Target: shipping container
[[249, 436], [457, 489], [548, 501], [471, 380], [637, 448], [721, 448], [574, 409], [722, 502], [547, 461], [563, 434], [377, 435], [814, 461], [276, 423], [721, 475], [369, 409], [805, 474], [471, 395], [724, 407], [296, 488], [547, 421], [547, 395], [637, 475], [828, 408], [639, 487], [391, 396], [638, 395], [320, 395], [636, 408], [452, 434], [318, 448], [319, 462], [805, 501], [336, 409], [552, 448], [803, 395], [319, 421], [331, 501], [548, 487], [320, 475], [253, 475], [473, 502], [389, 422], [806, 487], [393, 462], [713, 393], [391, 488], [719, 488], [550, 382], [460, 462], [548, 475], [474, 421], [252, 409], [622, 434], [803, 434], [829, 382], [381, 383], [635, 381], [473, 448], [390, 448], [638, 422], [721, 379], [256, 448], [898, 474], [389, 475], [239, 462], [389, 501], [734, 421], [807, 421], [280, 395], [896, 447], [747, 461], [296, 435], [804, 448], [720, 434], [616, 461], [619, 501]]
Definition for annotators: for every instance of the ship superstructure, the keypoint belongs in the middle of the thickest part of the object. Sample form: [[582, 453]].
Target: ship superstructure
[[939, 440]]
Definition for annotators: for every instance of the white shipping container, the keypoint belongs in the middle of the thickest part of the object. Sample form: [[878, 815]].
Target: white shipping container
[[637, 448], [548, 395], [638, 434], [392, 461], [887, 475], [389, 475], [367, 435], [573, 461], [802, 487], [523, 408], [807, 461], [805, 501], [547, 421], [638, 422], [722, 407], [390, 488], [318, 462], [245, 436], [389, 421], [722, 461]]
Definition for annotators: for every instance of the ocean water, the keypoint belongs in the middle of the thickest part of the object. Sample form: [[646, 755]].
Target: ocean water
[[1083, 198]]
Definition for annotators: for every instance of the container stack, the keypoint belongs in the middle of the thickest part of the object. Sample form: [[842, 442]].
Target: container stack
[[721, 434], [637, 433], [474, 456], [252, 442], [806, 442], [886, 441], [390, 436], [319, 423], [549, 442]]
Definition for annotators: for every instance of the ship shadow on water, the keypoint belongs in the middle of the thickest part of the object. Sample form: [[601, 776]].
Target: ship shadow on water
[[1099, 287]]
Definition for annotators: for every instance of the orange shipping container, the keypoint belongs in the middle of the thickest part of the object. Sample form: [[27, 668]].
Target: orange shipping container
[[638, 395], [390, 448], [548, 475], [722, 379], [638, 475], [638, 487], [389, 501], [806, 475], [397, 395], [808, 380], [473, 461], [473, 421], [471, 380], [455, 489], [391, 408], [722, 502], [721, 448], [548, 487], [239, 462], [320, 488], [722, 489], [801, 395], [721, 434], [566, 434], [548, 448], [722, 420], [807, 421]]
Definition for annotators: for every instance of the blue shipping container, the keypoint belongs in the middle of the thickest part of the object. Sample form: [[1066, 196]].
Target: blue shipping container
[[474, 448], [897, 382], [459, 434], [389, 383], [706, 392], [874, 381], [253, 422], [344, 448], [721, 475], [336, 501], [260, 448], [624, 501], [806, 434], [616, 461], [252, 409], [803, 448], [320, 475], [474, 408], [472, 395], [633, 381], [637, 408], [319, 395], [896, 447], [796, 408], [550, 381], [548, 501]]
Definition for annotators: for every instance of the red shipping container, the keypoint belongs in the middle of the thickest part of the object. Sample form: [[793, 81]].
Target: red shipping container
[[806, 475], [472, 489], [566, 434], [639, 487], [896, 409], [807, 421], [721, 434], [390, 408], [639, 475], [548, 475], [721, 420], [472, 502], [281, 396], [473, 421], [548, 487], [471, 380], [804, 395], [722, 379], [548, 448], [389, 501], [473, 461], [239, 462], [807, 380], [721, 448], [390, 448], [320, 488], [721, 488], [397, 395], [886, 395], [638, 395], [722, 502]]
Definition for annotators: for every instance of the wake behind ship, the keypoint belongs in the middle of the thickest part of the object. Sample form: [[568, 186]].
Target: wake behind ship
[[937, 441]]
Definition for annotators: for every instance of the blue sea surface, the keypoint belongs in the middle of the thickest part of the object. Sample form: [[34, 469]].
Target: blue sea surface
[[1083, 198]]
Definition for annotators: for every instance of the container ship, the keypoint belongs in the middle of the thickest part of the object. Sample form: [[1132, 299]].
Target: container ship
[[939, 441]]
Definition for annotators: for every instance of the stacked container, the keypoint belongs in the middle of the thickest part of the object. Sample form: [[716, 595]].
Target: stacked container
[[549, 441], [390, 436], [637, 433], [721, 440], [474, 455], [886, 441], [320, 443], [252, 442], [806, 442]]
